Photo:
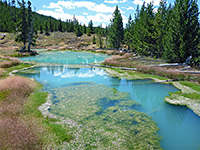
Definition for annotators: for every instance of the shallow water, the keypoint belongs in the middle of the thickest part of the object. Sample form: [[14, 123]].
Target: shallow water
[[179, 126], [66, 57]]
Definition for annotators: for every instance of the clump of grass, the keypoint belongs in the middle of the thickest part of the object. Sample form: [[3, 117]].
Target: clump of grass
[[19, 87], [1, 72], [16, 132], [10, 63]]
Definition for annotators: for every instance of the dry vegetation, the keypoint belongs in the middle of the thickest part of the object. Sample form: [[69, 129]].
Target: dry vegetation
[[169, 72], [10, 62], [1, 72], [16, 132], [56, 40]]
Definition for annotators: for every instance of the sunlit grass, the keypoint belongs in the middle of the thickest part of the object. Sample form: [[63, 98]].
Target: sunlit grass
[[192, 95], [192, 85]]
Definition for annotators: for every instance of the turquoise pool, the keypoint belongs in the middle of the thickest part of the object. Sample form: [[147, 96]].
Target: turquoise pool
[[66, 57]]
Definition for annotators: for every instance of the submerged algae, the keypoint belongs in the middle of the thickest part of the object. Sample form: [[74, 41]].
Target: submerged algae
[[117, 126]]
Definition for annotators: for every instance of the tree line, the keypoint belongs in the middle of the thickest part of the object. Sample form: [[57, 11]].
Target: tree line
[[172, 33], [18, 17]]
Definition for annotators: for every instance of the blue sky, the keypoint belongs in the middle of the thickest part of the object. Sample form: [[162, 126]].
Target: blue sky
[[99, 11]]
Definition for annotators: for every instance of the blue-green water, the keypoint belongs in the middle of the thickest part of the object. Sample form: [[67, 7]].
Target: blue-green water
[[179, 126], [66, 57]]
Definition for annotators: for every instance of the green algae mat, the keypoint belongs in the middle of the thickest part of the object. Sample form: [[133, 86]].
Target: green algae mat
[[100, 117]]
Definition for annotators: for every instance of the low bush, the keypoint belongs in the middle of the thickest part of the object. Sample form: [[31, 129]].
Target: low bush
[[19, 87], [17, 134]]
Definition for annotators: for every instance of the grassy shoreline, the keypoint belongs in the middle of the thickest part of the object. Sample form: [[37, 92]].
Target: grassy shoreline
[[19, 114]]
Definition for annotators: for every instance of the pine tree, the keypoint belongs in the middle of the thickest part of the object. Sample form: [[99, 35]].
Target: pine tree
[[13, 16], [100, 42], [90, 29], [183, 33], [32, 33], [128, 32], [77, 29], [51, 25], [116, 34], [144, 41], [23, 25], [41, 29], [160, 28], [60, 27], [93, 40], [84, 29], [46, 29], [139, 34]]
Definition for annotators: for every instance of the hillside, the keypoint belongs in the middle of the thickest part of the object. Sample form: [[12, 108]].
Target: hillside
[[56, 40]]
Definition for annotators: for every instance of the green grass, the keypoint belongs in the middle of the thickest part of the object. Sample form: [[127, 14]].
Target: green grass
[[61, 133], [192, 85], [192, 95], [3, 95], [143, 75], [138, 75], [58, 133], [18, 67], [36, 99], [118, 70]]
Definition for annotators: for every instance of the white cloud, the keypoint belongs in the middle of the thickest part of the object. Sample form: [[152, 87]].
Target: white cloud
[[130, 8], [74, 4], [58, 15], [101, 8], [54, 5], [115, 1], [140, 2], [123, 1], [96, 19], [59, 10], [103, 25], [102, 16], [84, 13], [111, 1]]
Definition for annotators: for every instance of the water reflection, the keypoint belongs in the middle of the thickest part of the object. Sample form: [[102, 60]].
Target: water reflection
[[115, 82]]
